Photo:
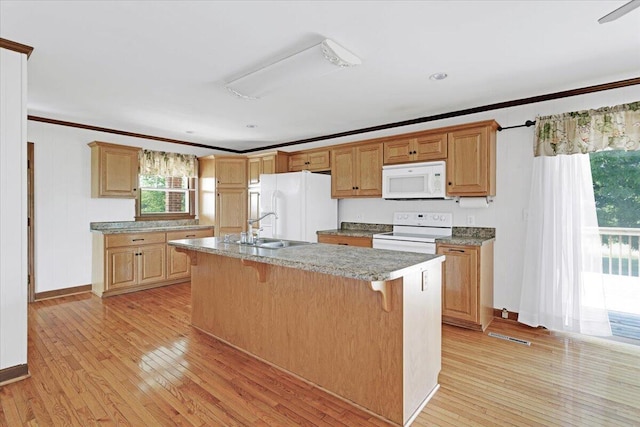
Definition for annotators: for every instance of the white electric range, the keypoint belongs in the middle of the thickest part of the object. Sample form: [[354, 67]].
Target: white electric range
[[415, 232]]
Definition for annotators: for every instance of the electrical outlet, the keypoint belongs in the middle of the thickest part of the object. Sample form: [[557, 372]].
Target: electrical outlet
[[471, 220], [505, 313]]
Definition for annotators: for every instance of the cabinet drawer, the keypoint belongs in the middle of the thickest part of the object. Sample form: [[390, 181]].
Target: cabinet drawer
[[365, 242], [189, 234], [133, 239]]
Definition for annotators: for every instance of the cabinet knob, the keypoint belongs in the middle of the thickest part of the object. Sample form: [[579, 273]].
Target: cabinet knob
[[449, 182]]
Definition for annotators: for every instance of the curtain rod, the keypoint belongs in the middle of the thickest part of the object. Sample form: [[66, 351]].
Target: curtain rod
[[527, 124]]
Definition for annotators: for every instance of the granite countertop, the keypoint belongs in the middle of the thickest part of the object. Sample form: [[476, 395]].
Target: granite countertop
[[469, 236], [346, 261], [145, 226], [357, 229]]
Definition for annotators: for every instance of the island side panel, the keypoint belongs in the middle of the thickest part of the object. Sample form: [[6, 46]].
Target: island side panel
[[329, 330], [422, 335]]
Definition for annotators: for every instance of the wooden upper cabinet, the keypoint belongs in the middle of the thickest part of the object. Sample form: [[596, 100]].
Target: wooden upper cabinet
[[312, 160], [231, 172], [357, 171], [114, 170], [266, 164], [417, 148], [471, 161]]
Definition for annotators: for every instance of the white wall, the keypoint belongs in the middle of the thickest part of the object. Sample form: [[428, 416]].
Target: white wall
[[63, 204], [514, 166], [13, 209]]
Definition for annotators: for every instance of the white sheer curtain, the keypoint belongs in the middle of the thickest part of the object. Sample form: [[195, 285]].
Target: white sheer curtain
[[563, 284]]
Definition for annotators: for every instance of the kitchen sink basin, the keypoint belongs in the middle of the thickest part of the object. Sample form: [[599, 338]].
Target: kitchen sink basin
[[269, 243]]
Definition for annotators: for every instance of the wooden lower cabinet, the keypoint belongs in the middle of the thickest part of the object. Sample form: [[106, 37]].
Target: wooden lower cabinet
[[467, 285], [135, 266], [135, 261], [335, 239], [178, 263]]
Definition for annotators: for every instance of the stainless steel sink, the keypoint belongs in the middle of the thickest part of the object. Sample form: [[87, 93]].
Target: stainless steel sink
[[269, 243]]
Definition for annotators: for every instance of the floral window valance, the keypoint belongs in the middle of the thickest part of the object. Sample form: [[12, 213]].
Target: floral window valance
[[168, 164], [616, 128]]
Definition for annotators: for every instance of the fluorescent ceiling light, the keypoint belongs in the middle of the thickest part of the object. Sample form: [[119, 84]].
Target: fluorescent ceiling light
[[314, 62]]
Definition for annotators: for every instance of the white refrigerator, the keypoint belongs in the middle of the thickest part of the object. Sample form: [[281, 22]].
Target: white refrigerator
[[302, 202]]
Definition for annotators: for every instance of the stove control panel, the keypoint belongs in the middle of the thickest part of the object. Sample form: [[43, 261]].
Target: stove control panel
[[423, 219]]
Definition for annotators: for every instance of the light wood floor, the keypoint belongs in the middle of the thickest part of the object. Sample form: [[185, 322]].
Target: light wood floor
[[134, 360]]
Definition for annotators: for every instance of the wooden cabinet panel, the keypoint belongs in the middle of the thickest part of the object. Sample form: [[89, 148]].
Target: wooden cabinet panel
[[319, 160], [122, 268], [276, 162], [178, 263], [357, 171], [254, 170], [467, 285], [342, 172], [334, 239], [135, 261], [471, 168], [430, 147], [231, 211], [369, 170], [114, 170], [400, 151], [133, 239], [231, 171], [416, 148], [316, 160], [152, 260], [460, 283]]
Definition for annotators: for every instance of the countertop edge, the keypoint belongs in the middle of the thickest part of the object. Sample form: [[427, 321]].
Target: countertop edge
[[305, 266], [150, 229]]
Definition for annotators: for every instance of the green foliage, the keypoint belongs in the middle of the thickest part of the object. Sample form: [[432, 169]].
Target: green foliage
[[152, 201], [616, 184]]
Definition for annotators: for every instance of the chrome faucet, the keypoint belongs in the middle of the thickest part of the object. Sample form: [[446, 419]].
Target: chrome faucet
[[253, 221]]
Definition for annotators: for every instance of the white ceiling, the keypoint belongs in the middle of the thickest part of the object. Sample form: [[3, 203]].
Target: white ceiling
[[159, 67]]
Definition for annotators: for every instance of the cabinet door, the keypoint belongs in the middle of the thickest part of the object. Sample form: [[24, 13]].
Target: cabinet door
[[114, 171], [122, 267], [152, 260], [430, 147], [231, 172], [342, 173], [298, 162], [231, 211], [460, 282], [254, 169], [399, 151], [178, 263], [269, 164], [369, 170], [319, 160], [467, 162]]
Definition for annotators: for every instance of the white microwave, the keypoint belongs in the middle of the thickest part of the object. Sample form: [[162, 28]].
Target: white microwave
[[414, 181]]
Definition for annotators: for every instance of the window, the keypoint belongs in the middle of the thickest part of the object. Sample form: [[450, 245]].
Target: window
[[167, 186], [166, 196]]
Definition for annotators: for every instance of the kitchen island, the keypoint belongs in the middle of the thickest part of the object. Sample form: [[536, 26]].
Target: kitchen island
[[363, 324]]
